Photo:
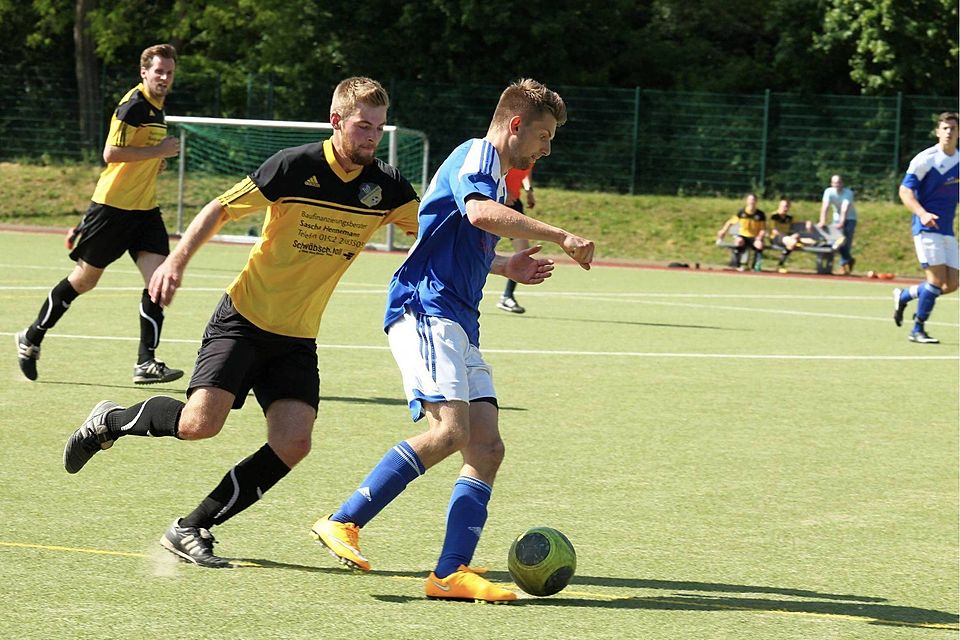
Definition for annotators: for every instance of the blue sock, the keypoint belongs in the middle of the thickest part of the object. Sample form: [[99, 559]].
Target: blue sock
[[925, 301], [466, 515], [398, 468]]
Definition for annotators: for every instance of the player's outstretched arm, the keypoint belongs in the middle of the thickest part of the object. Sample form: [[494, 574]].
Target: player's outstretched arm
[[522, 267], [496, 218], [169, 275]]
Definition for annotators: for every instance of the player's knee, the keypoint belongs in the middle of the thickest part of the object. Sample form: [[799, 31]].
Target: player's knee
[[194, 425], [292, 449], [495, 452]]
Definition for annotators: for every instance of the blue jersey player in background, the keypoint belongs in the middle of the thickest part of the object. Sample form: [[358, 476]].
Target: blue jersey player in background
[[930, 190], [432, 324]]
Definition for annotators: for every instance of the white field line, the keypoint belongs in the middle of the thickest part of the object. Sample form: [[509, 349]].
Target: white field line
[[563, 352], [633, 298]]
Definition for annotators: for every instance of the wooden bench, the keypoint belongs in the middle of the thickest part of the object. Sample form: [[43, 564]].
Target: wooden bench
[[822, 243]]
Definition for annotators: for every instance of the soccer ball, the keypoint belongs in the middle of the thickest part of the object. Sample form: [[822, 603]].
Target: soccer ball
[[541, 561]]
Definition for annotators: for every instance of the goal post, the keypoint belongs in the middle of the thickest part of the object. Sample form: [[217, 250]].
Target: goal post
[[216, 151]]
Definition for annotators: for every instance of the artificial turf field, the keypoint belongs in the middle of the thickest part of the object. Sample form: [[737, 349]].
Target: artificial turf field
[[733, 456]]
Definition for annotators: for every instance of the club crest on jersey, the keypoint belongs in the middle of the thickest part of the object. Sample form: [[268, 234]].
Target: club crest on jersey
[[370, 194]]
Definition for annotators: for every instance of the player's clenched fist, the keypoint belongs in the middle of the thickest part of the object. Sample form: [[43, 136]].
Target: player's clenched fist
[[580, 249]]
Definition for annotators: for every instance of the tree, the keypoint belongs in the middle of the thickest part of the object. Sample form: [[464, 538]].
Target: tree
[[897, 45], [85, 67]]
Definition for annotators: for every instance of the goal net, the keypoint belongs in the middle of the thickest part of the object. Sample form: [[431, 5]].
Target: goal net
[[215, 153]]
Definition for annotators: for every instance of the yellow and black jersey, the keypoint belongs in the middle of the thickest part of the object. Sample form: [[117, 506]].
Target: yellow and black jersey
[[138, 121], [319, 217], [751, 224], [782, 223]]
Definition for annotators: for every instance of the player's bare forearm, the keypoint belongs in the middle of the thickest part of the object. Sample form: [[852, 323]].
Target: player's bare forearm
[[169, 275], [203, 227], [494, 217], [505, 222], [168, 148], [909, 200]]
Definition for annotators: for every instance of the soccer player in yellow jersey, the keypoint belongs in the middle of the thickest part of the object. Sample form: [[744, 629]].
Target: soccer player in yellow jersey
[[123, 217], [324, 201]]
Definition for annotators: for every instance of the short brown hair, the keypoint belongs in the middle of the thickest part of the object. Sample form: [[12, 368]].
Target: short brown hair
[[947, 115], [530, 100], [163, 50], [350, 93]]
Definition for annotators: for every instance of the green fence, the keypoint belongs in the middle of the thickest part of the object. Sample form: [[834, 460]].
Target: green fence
[[622, 140]]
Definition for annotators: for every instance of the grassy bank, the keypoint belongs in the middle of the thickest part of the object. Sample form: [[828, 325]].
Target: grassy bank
[[659, 229]]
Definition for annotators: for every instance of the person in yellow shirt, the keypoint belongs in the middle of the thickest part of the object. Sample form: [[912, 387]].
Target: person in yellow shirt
[[753, 229], [123, 217], [324, 201]]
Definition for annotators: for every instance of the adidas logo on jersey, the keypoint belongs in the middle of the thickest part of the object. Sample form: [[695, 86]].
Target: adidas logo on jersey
[[476, 530], [312, 182], [365, 492]]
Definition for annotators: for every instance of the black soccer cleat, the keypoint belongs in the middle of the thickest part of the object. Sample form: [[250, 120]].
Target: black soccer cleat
[[155, 371], [91, 437], [898, 306], [193, 544], [28, 354]]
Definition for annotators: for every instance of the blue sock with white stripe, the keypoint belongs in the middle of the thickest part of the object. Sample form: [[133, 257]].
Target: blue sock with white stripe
[[466, 515], [398, 468], [925, 301], [910, 293]]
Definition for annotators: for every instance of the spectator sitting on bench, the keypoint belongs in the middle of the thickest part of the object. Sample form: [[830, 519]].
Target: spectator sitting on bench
[[783, 234], [753, 228]]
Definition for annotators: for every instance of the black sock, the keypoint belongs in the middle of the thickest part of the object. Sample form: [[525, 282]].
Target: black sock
[[510, 288], [156, 416], [56, 304], [243, 485], [151, 323]]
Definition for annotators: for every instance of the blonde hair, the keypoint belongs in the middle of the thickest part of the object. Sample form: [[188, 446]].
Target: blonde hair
[[530, 100], [167, 51], [351, 92]]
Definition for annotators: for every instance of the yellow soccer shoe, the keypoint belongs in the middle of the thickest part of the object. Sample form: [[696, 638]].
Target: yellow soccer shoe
[[342, 541], [465, 584]]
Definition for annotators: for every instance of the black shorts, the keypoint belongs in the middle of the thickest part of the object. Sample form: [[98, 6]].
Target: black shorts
[[237, 356], [106, 232]]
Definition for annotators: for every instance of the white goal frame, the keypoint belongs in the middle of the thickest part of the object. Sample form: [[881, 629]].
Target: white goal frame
[[390, 130]]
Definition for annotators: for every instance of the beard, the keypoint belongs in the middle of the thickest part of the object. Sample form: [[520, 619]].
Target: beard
[[356, 155], [521, 162]]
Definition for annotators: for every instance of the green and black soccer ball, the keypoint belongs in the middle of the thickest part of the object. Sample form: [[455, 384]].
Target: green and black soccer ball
[[542, 561]]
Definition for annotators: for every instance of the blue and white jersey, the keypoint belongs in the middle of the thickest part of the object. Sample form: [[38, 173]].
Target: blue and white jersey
[[835, 199], [446, 269], [933, 178]]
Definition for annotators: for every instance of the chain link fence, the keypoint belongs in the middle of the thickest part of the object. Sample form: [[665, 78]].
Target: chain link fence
[[618, 140]]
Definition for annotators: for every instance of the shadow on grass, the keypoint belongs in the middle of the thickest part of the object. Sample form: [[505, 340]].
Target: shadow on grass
[[852, 607], [668, 325], [139, 387], [878, 614], [165, 390]]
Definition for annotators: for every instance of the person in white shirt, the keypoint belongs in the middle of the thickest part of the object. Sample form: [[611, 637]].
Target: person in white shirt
[[840, 199]]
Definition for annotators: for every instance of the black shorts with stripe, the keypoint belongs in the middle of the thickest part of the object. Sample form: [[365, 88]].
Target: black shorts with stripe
[[106, 232], [237, 356]]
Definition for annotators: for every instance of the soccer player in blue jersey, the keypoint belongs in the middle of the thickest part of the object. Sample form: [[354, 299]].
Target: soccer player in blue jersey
[[432, 323], [930, 191]]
